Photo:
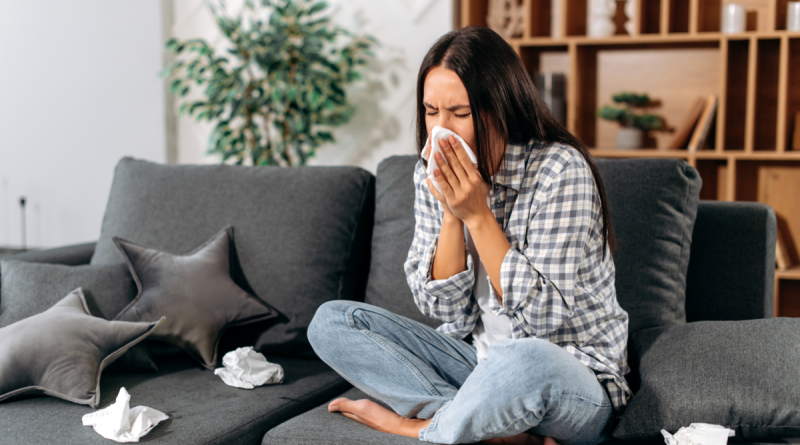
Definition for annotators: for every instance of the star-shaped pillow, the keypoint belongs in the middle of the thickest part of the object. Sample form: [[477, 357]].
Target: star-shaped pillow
[[195, 292], [63, 350]]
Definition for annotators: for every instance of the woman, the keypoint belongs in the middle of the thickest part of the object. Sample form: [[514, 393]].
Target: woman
[[515, 252]]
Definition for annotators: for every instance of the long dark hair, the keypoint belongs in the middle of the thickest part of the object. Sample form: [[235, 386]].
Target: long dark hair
[[502, 98]]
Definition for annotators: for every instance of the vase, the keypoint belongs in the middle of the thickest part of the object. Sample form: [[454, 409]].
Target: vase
[[599, 18], [630, 12], [629, 138]]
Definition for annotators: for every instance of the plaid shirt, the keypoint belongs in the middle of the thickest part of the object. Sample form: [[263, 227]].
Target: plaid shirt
[[556, 284]]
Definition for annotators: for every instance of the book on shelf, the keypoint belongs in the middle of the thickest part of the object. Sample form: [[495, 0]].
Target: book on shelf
[[700, 133], [682, 134], [782, 260], [796, 139]]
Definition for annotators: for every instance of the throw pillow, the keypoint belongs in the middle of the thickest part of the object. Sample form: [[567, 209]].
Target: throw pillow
[[27, 289], [653, 206], [302, 234], [738, 374], [63, 350], [194, 291]]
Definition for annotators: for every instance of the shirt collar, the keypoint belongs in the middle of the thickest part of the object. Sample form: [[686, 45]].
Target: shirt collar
[[513, 166]]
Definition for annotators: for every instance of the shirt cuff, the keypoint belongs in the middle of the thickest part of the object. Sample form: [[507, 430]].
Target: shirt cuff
[[455, 286], [511, 302]]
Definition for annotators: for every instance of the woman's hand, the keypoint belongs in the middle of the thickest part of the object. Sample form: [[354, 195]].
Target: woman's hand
[[464, 191]]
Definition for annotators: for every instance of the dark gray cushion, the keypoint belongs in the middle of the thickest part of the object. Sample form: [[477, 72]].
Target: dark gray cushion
[[202, 409], [302, 234], [732, 280], [391, 238], [739, 374], [653, 208], [62, 351], [318, 426], [28, 289], [194, 291]]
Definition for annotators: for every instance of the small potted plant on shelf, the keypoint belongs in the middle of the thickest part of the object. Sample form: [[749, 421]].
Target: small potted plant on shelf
[[633, 123]]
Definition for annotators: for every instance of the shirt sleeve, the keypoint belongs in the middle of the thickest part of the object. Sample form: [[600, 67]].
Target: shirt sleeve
[[538, 282], [449, 299]]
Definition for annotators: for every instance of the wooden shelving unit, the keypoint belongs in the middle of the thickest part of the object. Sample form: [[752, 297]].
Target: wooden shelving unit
[[677, 55]]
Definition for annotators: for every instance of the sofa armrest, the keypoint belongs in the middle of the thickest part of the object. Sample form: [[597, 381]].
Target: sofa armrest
[[732, 262], [73, 255]]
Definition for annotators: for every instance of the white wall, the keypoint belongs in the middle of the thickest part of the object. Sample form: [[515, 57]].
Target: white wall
[[384, 125], [78, 90]]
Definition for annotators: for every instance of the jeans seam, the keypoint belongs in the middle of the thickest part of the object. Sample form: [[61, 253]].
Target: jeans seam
[[434, 422], [591, 402], [396, 354]]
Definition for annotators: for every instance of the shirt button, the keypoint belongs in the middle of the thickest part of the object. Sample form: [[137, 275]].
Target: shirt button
[[497, 203]]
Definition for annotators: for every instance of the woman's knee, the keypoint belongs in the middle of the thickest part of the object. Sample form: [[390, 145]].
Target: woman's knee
[[329, 318]]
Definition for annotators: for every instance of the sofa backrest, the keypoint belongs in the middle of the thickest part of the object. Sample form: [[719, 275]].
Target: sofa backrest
[[653, 207], [301, 235]]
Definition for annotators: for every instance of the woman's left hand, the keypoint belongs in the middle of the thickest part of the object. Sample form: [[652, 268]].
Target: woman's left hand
[[461, 183]]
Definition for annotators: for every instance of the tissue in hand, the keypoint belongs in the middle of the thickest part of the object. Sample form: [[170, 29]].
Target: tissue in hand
[[699, 434], [120, 423], [432, 147], [246, 368]]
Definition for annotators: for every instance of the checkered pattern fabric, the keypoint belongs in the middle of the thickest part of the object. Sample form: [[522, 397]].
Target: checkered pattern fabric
[[556, 283]]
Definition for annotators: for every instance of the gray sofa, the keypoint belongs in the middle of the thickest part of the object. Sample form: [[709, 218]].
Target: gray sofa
[[306, 236]]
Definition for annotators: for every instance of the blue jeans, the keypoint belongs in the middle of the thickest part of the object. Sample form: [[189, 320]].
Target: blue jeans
[[525, 385]]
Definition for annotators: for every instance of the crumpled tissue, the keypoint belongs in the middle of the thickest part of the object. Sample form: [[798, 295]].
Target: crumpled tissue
[[120, 423], [433, 146], [699, 434], [246, 368]]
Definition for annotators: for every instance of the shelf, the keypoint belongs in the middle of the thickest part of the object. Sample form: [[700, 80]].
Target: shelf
[[792, 273], [704, 154], [623, 40]]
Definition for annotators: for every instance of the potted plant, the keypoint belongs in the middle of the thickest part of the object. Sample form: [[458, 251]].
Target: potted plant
[[633, 123], [279, 90]]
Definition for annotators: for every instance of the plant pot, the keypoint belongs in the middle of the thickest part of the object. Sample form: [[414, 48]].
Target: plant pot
[[629, 138]]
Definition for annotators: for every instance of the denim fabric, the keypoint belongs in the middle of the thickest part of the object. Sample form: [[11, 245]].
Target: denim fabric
[[526, 384]]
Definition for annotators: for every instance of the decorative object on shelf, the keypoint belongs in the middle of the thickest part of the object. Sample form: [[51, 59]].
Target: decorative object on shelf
[[553, 89], [793, 16], [599, 19], [630, 13], [782, 259], [682, 134], [277, 92], [704, 124], [733, 18], [796, 138], [506, 17], [633, 123], [556, 21]]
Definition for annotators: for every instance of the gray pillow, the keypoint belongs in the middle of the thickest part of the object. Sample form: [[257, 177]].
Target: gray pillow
[[391, 238], [739, 374], [302, 233], [194, 291], [653, 206], [27, 289], [63, 350]]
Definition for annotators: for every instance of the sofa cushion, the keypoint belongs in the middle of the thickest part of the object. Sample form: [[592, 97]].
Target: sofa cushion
[[31, 288], [739, 374], [202, 409], [653, 205], [318, 426], [194, 291], [302, 234], [391, 238], [62, 351]]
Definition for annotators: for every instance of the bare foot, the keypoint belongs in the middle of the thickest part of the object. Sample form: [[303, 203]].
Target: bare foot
[[523, 439], [377, 417]]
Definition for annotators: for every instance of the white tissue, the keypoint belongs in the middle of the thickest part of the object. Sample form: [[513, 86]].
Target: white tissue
[[120, 423], [699, 434], [432, 147], [246, 368]]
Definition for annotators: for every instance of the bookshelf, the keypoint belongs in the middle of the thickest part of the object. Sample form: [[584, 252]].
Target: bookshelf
[[677, 54]]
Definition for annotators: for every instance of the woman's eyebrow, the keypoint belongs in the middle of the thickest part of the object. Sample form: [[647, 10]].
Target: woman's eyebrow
[[453, 108]]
